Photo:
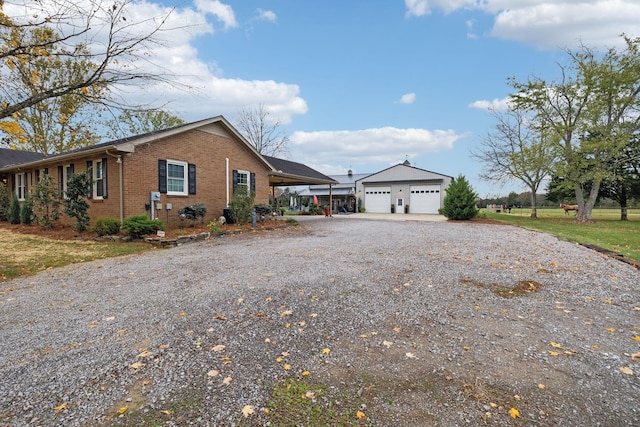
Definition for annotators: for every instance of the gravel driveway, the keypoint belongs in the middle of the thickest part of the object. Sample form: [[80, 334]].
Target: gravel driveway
[[409, 323]]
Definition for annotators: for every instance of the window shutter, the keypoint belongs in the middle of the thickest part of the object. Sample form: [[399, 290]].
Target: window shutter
[[235, 181], [192, 178], [89, 179], [162, 176], [37, 177], [46, 171], [104, 178], [60, 181], [72, 169], [252, 178], [14, 184]]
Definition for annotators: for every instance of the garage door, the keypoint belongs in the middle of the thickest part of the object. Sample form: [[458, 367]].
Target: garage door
[[377, 199], [424, 199]]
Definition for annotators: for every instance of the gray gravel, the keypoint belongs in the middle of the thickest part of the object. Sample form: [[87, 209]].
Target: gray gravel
[[410, 312]]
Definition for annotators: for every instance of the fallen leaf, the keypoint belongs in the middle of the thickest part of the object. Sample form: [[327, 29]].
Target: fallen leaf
[[608, 301], [595, 346], [212, 373], [514, 413], [309, 395], [554, 353], [122, 410], [326, 351], [626, 370], [286, 313], [635, 356], [636, 338], [182, 314], [363, 336], [555, 344], [541, 386], [286, 367], [247, 410], [219, 317], [313, 315], [285, 354], [387, 344], [145, 353], [218, 347], [227, 380], [611, 329], [306, 373], [121, 331], [410, 355], [396, 329], [360, 415], [268, 299], [61, 406], [108, 319], [466, 348], [91, 326], [136, 365], [167, 412]]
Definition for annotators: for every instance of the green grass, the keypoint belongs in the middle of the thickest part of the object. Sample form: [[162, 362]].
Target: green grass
[[607, 231], [25, 255]]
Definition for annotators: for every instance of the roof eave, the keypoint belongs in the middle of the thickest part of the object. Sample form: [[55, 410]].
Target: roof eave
[[292, 179]]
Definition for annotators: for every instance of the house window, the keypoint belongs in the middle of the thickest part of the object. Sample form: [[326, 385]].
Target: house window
[[243, 184], [176, 178], [98, 180], [21, 185]]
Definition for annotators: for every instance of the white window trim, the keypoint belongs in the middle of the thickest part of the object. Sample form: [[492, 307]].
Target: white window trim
[[94, 177], [248, 174], [185, 187], [65, 179], [21, 186]]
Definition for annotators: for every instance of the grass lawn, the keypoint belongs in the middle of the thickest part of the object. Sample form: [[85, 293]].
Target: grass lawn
[[24, 255], [607, 231]]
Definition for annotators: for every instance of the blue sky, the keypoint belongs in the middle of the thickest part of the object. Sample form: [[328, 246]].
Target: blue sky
[[366, 84]]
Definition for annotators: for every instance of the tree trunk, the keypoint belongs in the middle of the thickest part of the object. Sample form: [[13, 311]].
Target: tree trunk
[[585, 208], [534, 210], [623, 202]]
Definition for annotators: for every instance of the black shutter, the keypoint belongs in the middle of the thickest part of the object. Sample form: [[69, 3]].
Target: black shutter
[[46, 171], [192, 178], [60, 181], [14, 185], [72, 169], [162, 176], [234, 181], [37, 175], [104, 178], [252, 178], [89, 173]]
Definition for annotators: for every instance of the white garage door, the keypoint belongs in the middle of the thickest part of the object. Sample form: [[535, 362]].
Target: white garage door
[[377, 199], [424, 199]]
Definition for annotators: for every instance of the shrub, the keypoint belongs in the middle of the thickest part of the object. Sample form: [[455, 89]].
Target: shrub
[[107, 226], [14, 210], [26, 211], [240, 207], [291, 221], [215, 226], [196, 210], [5, 202], [46, 203], [460, 201], [75, 204], [137, 226]]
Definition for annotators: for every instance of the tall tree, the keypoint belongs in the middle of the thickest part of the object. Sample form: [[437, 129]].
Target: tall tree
[[518, 149], [115, 45], [138, 122], [56, 124], [591, 111], [263, 132]]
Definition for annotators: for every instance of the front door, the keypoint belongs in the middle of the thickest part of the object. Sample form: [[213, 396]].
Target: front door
[[400, 206]]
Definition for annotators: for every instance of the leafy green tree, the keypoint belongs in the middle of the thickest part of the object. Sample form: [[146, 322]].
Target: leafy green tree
[[460, 201], [75, 203], [138, 122], [5, 202], [591, 112], [46, 203], [517, 149], [26, 211], [14, 210], [56, 124], [116, 44]]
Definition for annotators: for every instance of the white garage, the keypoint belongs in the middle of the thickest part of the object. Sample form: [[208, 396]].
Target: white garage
[[377, 199], [424, 199]]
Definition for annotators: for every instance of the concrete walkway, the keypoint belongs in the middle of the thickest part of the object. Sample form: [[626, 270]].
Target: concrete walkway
[[376, 216]]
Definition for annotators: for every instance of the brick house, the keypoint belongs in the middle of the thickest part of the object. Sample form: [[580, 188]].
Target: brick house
[[201, 162]]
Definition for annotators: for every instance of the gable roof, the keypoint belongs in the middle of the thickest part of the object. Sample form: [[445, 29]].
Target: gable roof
[[286, 172], [10, 157], [402, 172], [127, 145]]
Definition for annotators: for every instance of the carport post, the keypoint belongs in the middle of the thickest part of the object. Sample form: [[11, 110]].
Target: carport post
[[330, 200]]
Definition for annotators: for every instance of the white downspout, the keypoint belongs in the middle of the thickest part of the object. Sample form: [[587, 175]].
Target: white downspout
[[119, 162], [227, 180]]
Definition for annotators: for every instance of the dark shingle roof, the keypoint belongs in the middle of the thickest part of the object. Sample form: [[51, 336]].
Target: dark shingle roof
[[15, 157], [294, 168]]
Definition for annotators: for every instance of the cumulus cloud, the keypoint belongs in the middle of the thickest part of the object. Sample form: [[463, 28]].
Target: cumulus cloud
[[548, 24], [408, 98], [266, 15], [386, 145], [223, 12], [495, 105]]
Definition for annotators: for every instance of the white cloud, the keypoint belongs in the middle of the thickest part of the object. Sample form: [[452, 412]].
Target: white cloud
[[495, 105], [408, 98], [548, 24], [266, 15], [387, 145], [223, 12]]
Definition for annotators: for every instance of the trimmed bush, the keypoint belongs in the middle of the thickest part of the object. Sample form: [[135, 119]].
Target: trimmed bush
[[107, 226], [5, 202], [26, 211], [137, 226], [14, 210]]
